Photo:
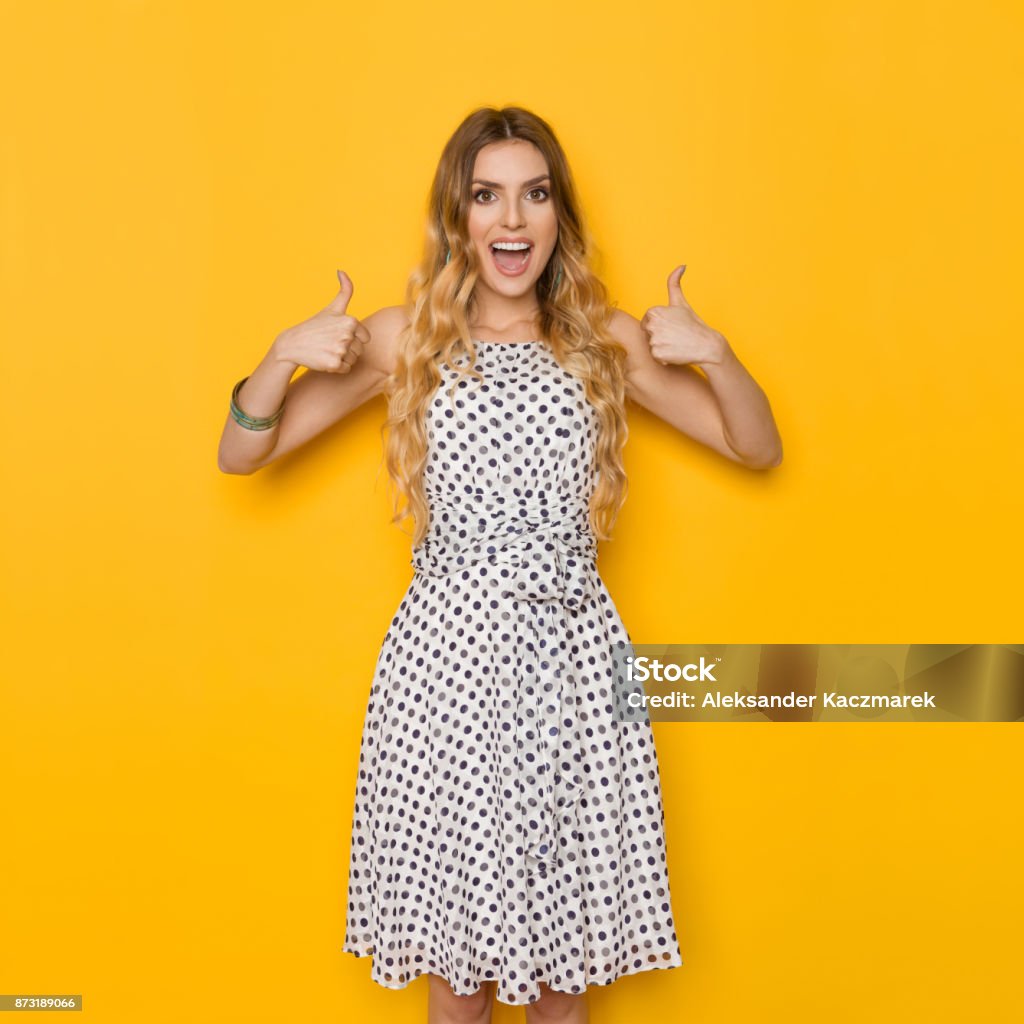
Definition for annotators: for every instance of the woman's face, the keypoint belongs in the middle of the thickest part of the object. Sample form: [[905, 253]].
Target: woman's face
[[511, 199]]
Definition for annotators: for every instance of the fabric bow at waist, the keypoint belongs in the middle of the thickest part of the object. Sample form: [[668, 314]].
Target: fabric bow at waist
[[545, 552]]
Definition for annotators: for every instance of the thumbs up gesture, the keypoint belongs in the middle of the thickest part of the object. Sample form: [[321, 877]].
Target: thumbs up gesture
[[676, 334], [330, 341]]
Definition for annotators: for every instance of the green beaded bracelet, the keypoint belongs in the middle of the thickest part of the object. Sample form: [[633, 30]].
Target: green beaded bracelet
[[252, 422]]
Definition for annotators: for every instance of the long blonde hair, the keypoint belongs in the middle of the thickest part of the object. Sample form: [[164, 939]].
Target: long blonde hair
[[574, 314]]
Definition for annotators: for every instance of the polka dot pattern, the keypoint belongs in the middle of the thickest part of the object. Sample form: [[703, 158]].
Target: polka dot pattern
[[506, 826]]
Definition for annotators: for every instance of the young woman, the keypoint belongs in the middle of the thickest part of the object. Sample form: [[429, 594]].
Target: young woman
[[508, 830]]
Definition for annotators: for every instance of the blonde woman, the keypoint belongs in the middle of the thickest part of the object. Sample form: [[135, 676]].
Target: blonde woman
[[508, 833]]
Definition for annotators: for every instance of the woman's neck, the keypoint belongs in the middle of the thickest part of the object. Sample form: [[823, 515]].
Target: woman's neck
[[505, 316]]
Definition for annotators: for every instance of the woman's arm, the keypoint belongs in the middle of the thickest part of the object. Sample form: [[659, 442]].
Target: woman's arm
[[314, 402], [728, 412]]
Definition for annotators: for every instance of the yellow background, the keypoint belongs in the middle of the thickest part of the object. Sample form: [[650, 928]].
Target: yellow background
[[187, 655]]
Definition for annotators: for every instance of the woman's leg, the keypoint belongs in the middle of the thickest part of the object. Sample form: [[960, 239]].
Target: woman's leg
[[557, 1008], [445, 1007]]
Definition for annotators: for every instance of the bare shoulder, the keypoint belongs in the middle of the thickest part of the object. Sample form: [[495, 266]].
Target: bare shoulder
[[629, 333], [625, 328], [385, 327]]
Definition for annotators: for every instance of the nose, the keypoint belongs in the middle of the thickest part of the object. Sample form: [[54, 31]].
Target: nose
[[512, 217]]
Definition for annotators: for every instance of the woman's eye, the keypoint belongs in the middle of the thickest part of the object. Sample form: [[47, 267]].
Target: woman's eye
[[488, 192]]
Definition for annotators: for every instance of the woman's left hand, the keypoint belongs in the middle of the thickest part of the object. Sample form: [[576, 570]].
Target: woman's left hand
[[676, 334]]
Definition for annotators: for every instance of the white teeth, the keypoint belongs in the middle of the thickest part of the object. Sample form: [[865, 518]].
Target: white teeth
[[513, 246]]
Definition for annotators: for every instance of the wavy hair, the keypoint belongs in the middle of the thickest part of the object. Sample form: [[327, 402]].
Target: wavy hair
[[439, 300]]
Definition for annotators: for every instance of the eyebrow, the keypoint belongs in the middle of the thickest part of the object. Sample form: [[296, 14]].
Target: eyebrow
[[494, 184]]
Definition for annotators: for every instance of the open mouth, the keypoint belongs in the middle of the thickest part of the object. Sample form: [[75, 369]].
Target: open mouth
[[511, 262]]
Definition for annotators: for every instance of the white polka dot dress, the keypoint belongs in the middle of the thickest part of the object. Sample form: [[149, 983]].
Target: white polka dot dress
[[507, 827]]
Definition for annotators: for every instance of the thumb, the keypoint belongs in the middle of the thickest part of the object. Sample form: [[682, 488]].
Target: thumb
[[675, 293], [339, 304]]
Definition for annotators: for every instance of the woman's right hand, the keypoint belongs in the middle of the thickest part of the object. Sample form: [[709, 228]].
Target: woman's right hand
[[330, 341]]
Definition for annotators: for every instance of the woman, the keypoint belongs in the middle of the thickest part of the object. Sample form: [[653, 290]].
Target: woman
[[508, 831]]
